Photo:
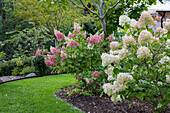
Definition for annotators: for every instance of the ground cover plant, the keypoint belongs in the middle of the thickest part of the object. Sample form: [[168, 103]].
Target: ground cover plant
[[36, 95], [136, 66]]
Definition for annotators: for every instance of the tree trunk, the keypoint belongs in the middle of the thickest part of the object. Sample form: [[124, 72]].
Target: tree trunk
[[103, 22]]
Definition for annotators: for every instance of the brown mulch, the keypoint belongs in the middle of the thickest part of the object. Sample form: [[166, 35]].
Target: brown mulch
[[96, 104]]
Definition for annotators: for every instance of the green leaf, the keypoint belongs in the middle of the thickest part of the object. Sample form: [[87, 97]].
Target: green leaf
[[139, 95], [116, 71]]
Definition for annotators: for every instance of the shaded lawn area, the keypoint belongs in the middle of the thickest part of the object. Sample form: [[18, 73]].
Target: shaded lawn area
[[36, 95]]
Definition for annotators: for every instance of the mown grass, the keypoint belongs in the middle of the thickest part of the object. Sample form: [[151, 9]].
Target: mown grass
[[36, 95]]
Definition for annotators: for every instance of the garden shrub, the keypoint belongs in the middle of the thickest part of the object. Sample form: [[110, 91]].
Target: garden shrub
[[27, 70], [136, 66], [40, 66]]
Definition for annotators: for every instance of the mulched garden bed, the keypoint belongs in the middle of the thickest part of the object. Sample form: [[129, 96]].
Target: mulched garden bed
[[96, 104]]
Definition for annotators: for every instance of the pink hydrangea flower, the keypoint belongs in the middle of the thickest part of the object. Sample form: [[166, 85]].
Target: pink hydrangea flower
[[63, 56], [159, 31], [79, 77], [70, 35], [73, 43], [49, 62], [77, 27], [54, 51], [63, 48], [96, 74], [59, 35], [38, 52], [109, 38], [52, 58], [114, 44]]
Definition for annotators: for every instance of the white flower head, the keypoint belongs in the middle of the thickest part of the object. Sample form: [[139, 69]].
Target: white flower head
[[144, 52]]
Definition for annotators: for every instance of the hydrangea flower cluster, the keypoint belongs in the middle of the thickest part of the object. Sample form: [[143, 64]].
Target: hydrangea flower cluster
[[128, 40], [77, 27], [123, 20], [111, 37], [72, 43], [165, 59], [96, 39], [145, 36], [63, 56], [109, 72], [59, 35], [123, 53], [168, 44], [89, 81], [119, 85], [168, 78], [167, 26], [79, 77], [108, 59], [143, 52], [159, 31], [114, 44], [96, 74], [54, 51], [145, 20]]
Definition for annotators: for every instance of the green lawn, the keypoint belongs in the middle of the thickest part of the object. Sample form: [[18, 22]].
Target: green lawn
[[36, 95]]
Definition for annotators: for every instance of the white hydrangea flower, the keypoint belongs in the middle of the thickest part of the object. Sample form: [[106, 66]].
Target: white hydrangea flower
[[108, 59], [145, 36], [133, 22], [109, 78], [123, 53], [115, 52], [168, 78], [109, 70], [108, 89], [168, 44], [124, 78], [114, 44], [77, 27], [90, 46], [123, 19], [127, 40], [165, 59], [144, 52], [116, 98]]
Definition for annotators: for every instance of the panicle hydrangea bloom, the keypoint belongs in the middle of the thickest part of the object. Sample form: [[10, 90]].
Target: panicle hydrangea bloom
[[115, 52], [128, 40], [39, 52], [123, 20], [167, 26], [168, 44], [70, 35], [168, 78], [54, 51], [114, 44], [77, 27], [79, 77], [93, 39], [108, 89], [145, 36], [52, 58], [90, 46], [123, 53], [63, 48], [49, 62], [59, 35], [109, 78], [159, 31], [101, 37], [96, 74], [111, 37], [145, 20], [73, 43], [84, 34], [63, 56], [108, 59], [109, 70], [124, 78], [144, 52], [133, 22], [165, 59], [116, 98], [89, 80]]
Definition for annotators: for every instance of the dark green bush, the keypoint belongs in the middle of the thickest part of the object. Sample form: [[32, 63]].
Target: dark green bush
[[40, 66], [27, 70]]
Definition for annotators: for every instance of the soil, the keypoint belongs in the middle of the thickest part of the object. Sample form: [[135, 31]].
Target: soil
[[96, 104]]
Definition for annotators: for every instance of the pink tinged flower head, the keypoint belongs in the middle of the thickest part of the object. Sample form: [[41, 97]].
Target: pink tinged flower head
[[70, 35], [128, 40], [167, 26], [63, 56], [77, 27], [63, 48], [123, 53], [159, 31], [114, 44], [49, 63], [145, 36], [144, 52], [54, 51], [96, 74], [79, 77], [39, 52], [146, 20], [93, 39], [89, 80], [84, 34], [59, 35], [52, 58], [101, 36], [73, 43]]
